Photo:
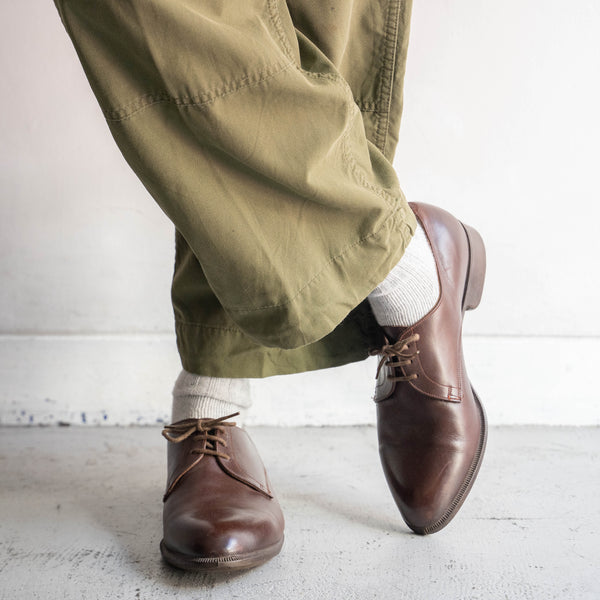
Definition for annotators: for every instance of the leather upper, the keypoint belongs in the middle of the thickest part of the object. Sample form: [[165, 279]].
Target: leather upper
[[431, 426], [219, 506], [243, 462]]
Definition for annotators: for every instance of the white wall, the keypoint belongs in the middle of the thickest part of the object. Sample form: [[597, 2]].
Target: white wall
[[501, 126]]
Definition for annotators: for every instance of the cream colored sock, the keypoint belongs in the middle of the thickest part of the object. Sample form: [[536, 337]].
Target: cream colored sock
[[411, 289], [202, 397]]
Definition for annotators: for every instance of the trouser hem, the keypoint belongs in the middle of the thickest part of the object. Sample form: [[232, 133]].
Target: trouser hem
[[229, 352], [325, 326]]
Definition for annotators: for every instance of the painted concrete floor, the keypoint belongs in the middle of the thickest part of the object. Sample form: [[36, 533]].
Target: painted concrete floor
[[80, 517]]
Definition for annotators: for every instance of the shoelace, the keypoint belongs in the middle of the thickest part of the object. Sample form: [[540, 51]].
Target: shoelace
[[201, 429], [397, 355]]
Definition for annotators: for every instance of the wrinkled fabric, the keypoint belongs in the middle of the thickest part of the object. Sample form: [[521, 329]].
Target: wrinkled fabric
[[265, 131]]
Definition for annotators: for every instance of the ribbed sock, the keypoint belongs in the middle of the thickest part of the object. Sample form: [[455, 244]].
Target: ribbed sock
[[202, 397], [411, 289]]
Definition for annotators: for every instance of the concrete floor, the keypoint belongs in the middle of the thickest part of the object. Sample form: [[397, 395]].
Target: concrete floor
[[81, 518]]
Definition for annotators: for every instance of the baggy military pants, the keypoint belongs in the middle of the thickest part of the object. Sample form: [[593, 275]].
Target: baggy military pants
[[265, 130]]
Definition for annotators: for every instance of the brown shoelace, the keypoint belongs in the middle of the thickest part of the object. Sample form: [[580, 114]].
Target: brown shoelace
[[202, 430], [397, 355]]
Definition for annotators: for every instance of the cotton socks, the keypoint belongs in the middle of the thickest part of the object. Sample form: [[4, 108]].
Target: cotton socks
[[411, 289], [203, 397]]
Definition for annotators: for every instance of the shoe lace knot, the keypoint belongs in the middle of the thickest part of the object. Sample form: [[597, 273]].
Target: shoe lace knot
[[203, 430], [398, 355]]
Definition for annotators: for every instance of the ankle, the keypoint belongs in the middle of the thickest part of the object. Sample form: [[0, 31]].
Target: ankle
[[411, 289], [205, 397]]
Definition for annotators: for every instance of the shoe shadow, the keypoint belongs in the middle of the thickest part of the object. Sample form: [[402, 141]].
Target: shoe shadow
[[339, 476], [129, 509], [337, 500], [96, 498], [323, 487]]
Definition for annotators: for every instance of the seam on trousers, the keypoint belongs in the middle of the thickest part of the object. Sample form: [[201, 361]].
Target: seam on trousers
[[213, 327], [398, 209], [388, 68], [358, 173], [366, 106], [237, 329], [342, 352], [150, 99], [275, 16]]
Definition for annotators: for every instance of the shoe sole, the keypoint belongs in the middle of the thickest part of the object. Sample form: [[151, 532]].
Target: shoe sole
[[234, 562], [471, 299]]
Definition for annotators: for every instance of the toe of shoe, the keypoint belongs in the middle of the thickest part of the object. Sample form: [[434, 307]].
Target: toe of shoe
[[429, 497], [234, 540]]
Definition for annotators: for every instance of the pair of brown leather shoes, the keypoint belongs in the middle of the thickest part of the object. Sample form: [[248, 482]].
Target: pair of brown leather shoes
[[220, 512]]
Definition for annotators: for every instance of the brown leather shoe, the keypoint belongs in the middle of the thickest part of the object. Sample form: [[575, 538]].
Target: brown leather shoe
[[219, 510], [430, 423]]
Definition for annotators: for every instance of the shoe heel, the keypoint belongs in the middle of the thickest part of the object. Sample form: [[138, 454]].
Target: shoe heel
[[476, 275]]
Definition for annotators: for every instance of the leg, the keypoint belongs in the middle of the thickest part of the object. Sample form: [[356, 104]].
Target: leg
[[282, 230], [204, 101], [273, 220]]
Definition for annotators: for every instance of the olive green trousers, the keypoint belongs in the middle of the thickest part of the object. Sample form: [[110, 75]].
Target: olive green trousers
[[265, 130]]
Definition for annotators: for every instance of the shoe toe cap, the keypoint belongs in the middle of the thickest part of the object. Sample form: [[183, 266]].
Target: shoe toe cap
[[427, 495], [221, 536]]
